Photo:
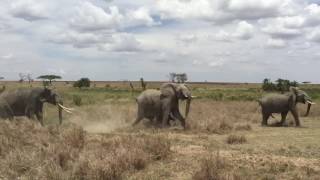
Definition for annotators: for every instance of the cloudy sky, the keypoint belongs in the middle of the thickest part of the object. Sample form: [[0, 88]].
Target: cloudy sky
[[213, 40]]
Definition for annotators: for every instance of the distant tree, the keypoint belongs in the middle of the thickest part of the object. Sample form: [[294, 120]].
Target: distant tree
[[306, 82], [281, 85], [143, 84], [49, 78], [179, 78], [83, 82], [29, 78], [172, 77], [22, 77], [1, 78]]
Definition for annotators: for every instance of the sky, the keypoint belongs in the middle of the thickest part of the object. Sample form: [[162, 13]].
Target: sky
[[210, 40]]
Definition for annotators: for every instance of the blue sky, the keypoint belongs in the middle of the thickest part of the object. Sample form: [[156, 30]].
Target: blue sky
[[212, 40]]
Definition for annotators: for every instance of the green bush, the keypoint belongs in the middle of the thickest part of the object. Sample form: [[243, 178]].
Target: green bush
[[281, 85], [83, 82]]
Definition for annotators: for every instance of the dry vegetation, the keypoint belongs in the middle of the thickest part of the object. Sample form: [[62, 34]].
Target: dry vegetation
[[29, 151], [224, 140]]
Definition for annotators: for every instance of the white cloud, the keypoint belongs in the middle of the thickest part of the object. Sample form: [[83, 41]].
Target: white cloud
[[184, 9], [244, 31], [256, 9], [122, 42], [276, 43], [140, 17], [7, 56], [89, 17], [187, 38], [217, 63], [313, 15], [278, 31], [222, 11], [314, 35], [29, 10], [223, 36], [79, 40]]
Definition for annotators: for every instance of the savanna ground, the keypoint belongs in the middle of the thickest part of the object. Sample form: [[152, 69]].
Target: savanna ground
[[224, 139]]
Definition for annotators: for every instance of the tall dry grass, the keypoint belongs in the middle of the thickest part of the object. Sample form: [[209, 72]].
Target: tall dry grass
[[29, 151], [221, 117]]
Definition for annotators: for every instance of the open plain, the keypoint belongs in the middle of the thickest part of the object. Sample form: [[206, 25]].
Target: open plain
[[223, 139]]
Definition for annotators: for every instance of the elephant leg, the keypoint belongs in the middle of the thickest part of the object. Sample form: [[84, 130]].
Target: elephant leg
[[296, 117], [40, 117], [140, 116], [178, 115], [137, 120], [283, 117], [265, 117], [165, 115]]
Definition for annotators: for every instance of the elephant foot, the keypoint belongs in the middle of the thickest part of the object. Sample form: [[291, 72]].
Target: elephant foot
[[279, 124], [264, 124]]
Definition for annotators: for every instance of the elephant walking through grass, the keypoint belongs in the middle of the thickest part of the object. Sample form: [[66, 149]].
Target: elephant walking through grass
[[284, 103], [163, 104], [29, 102]]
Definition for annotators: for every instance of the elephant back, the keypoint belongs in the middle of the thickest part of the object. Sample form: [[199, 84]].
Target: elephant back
[[168, 90]]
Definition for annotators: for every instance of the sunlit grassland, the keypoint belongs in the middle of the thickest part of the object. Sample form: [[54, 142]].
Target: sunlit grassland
[[224, 139]]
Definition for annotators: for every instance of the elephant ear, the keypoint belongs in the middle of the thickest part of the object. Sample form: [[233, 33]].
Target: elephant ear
[[293, 97], [294, 90], [292, 101], [168, 90]]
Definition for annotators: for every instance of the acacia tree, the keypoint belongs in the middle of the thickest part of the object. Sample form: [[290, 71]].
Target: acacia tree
[[49, 78]]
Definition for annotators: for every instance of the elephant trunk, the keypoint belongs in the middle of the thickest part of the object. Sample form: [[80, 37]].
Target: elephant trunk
[[188, 107], [308, 110], [60, 113]]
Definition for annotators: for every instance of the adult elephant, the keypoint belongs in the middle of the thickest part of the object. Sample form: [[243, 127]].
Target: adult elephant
[[29, 102], [163, 104], [283, 103]]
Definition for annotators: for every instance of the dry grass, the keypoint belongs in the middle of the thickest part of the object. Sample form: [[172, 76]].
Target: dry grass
[[28, 151], [220, 117], [214, 167], [236, 139], [243, 127]]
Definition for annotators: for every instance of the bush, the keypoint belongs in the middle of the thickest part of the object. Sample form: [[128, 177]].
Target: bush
[[212, 168], [77, 100], [83, 82], [236, 139], [281, 85]]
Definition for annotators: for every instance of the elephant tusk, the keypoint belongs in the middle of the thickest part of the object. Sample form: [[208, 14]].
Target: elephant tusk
[[311, 102], [70, 109], [65, 109], [193, 96]]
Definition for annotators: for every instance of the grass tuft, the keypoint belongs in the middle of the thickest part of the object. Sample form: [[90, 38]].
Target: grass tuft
[[236, 139]]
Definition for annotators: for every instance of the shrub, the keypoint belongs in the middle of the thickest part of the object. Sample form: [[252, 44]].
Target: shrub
[[212, 168], [77, 100], [236, 139], [83, 82]]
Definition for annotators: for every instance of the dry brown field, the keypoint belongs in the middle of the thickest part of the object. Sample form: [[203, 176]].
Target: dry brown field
[[223, 139]]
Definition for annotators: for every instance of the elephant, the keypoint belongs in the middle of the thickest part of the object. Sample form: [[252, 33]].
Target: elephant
[[283, 103], [29, 102], [163, 104]]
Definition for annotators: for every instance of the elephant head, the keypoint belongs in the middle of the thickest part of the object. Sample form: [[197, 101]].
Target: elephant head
[[51, 97], [301, 97], [177, 92]]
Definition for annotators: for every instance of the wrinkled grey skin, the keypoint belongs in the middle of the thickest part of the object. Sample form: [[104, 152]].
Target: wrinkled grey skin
[[283, 103], [163, 104], [28, 102]]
